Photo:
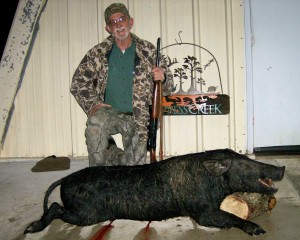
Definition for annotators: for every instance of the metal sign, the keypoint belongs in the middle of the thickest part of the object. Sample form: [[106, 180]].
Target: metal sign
[[198, 104], [197, 99]]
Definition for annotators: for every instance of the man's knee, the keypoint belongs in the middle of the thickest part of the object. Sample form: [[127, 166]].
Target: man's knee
[[99, 118]]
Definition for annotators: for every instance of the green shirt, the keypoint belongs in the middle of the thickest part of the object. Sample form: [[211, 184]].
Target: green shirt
[[120, 78]]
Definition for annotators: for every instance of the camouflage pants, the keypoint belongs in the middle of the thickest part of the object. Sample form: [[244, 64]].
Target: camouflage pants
[[101, 146]]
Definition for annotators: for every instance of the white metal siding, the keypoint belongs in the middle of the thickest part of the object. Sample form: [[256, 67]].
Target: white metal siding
[[47, 120]]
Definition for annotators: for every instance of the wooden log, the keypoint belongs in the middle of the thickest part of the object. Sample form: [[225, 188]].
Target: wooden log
[[248, 205]]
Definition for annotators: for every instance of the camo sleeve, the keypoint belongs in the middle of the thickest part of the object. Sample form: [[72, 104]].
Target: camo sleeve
[[82, 86]]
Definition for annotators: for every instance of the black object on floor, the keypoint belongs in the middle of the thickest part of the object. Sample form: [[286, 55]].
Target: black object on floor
[[52, 163]]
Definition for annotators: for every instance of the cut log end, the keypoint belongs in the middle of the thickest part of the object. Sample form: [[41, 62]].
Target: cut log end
[[248, 205], [236, 206], [272, 203]]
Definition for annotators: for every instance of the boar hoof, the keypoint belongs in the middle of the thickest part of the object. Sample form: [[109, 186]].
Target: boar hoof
[[253, 229], [34, 227]]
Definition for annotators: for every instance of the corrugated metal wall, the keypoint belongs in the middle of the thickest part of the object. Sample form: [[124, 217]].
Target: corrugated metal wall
[[47, 120]]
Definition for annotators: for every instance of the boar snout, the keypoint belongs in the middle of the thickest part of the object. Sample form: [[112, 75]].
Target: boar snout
[[266, 180]]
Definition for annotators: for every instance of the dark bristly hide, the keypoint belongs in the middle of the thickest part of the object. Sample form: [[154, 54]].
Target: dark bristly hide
[[191, 185]]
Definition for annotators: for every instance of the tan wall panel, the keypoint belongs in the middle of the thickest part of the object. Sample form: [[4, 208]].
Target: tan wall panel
[[83, 35], [238, 83], [41, 123]]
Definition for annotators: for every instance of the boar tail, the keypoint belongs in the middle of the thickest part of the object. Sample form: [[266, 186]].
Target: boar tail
[[49, 191]]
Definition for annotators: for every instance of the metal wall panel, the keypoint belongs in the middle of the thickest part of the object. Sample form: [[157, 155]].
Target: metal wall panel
[[40, 124], [84, 33], [47, 120]]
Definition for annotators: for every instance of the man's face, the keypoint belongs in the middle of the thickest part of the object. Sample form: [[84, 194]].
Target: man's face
[[119, 25]]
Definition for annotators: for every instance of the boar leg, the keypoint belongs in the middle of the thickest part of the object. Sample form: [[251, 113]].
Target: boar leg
[[55, 212], [221, 219]]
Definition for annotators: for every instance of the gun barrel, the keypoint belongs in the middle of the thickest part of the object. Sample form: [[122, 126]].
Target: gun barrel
[[156, 110]]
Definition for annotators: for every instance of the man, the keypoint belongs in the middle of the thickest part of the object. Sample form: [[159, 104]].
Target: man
[[113, 84]]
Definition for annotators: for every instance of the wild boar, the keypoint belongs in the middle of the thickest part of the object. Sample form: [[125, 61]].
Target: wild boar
[[191, 185]]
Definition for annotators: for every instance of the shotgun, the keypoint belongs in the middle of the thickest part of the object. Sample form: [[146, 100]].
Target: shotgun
[[155, 111]]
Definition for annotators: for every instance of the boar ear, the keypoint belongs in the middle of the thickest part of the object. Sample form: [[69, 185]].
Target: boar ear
[[217, 167]]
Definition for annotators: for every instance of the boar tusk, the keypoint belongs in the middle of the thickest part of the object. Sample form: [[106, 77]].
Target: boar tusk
[[267, 183]]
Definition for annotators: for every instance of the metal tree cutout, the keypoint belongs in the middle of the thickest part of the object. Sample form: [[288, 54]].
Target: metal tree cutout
[[193, 66], [181, 74]]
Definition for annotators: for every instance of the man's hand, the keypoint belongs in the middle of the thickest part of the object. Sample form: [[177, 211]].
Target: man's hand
[[97, 107], [158, 73]]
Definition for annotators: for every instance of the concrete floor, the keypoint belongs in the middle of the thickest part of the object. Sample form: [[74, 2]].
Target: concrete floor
[[22, 193]]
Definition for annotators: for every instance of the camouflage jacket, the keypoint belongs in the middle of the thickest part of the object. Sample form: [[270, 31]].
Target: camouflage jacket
[[90, 79]]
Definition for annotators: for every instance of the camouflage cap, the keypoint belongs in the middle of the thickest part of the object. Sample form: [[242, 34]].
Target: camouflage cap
[[114, 8]]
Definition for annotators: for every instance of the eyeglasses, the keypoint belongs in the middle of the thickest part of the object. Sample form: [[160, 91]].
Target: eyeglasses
[[119, 20]]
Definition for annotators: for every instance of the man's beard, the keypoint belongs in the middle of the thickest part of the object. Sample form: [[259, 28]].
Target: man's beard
[[121, 37]]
